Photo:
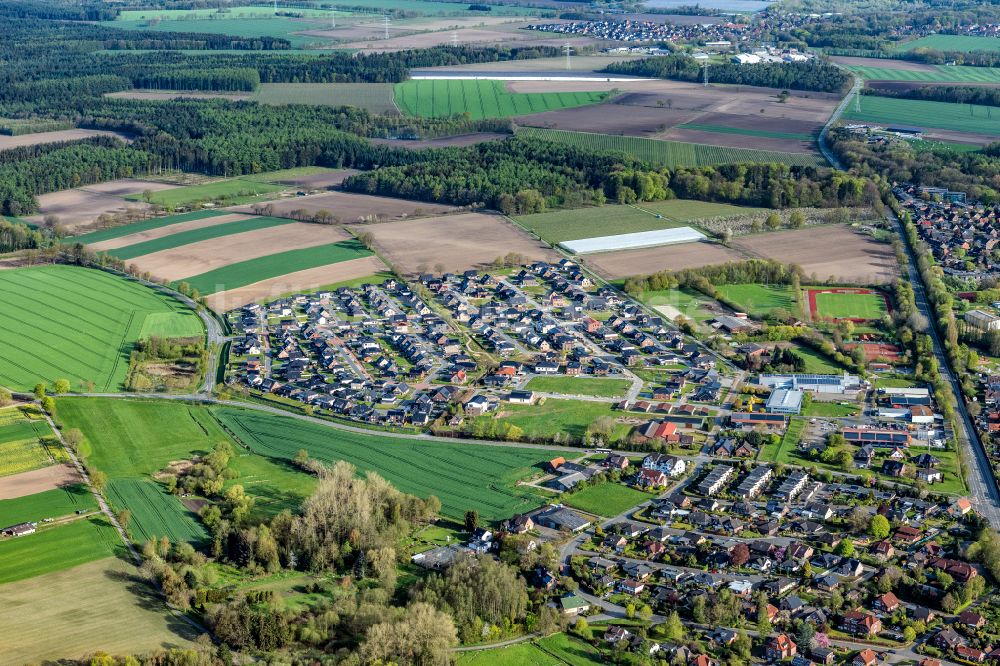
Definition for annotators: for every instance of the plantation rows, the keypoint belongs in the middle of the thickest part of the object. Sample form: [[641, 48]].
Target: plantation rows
[[671, 154], [463, 477], [155, 513]]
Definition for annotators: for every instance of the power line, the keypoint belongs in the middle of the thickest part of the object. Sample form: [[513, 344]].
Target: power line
[[568, 49], [704, 72], [454, 37], [385, 20]]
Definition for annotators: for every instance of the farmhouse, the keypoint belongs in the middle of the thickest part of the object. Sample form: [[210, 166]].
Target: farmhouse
[[21, 529]]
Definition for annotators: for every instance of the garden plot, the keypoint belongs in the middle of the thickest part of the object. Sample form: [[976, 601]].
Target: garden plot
[[642, 239]]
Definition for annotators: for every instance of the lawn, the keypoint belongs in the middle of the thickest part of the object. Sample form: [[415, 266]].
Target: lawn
[[759, 300], [953, 43], [53, 503], [671, 154], [56, 548], [61, 616], [233, 191], [787, 445], [373, 97], [79, 324], [939, 74], [973, 118], [850, 306], [462, 476], [570, 417], [606, 499], [514, 655], [197, 235], [816, 363], [145, 225], [592, 386], [570, 650], [443, 98], [829, 409], [243, 273]]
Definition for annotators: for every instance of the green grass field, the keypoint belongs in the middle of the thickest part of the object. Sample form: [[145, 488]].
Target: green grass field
[[481, 99], [248, 26], [745, 131], [514, 655], [692, 304], [156, 512], [61, 616], [937, 74], [816, 363], [78, 324], [953, 43], [145, 225], [671, 154], [593, 386], [571, 417], [606, 499], [571, 651], [283, 175], [462, 476], [58, 547], [20, 448], [196, 235], [850, 306], [273, 265], [829, 409], [972, 118], [759, 300], [53, 503], [564, 225], [233, 191], [926, 145], [373, 97]]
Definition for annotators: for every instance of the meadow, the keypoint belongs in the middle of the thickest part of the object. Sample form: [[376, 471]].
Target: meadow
[[79, 324], [233, 191], [481, 99], [80, 610], [247, 272], [462, 476], [57, 547], [373, 97], [973, 118], [953, 43], [555, 650], [600, 387], [197, 235], [53, 503], [568, 417], [145, 225], [671, 154], [606, 499], [937, 74], [759, 300]]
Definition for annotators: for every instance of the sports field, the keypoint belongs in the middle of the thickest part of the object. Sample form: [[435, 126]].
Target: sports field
[[565, 225], [933, 73], [462, 476], [78, 324], [759, 300], [671, 154], [145, 225], [606, 499], [953, 43], [196, 235], [48, 504], [481, 99], [971, 118], [601, 387], [853, 304], [243, 273], [57, 547], [233, 191]]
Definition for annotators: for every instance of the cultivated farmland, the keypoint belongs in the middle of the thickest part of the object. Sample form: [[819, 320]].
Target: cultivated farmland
[[373, 97], [874, 69], [47, 504], [83, 205], [462, 476], [152, 228], [627, 263], [233, 191], [348, 207], [440, 98], [57, 547], [953, 43], [966, 118], [78, 611], [671, 154], [186, 236], [78, 324], [20, 446], [37, 481], [155, 513], [456, 242]]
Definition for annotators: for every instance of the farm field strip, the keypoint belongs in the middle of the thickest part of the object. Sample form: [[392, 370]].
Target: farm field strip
[[155, 513], [53, 335], [463, 477], [973, 118], [234, 189], [241, 274], [953, 43], [48, 504], [198, 235], [745, 131], [373, 97], [441, 98], [938, 74], [56, 548], [145, 225], [671, 154]]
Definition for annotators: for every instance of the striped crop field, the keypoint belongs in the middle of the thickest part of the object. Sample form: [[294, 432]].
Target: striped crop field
[[462, 476], [197, 235], [56, 548], [972, 118], [247, 272], [155, 512], [745, 131], [671, 154], [964, 43], [67, 322], [939, 74], [145, 225], [481, 99], [53, 503]]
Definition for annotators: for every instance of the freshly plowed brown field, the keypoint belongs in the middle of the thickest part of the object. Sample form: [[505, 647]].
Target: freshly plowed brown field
[[83, 205], [349, 208], [37, 481], [643, 261]]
